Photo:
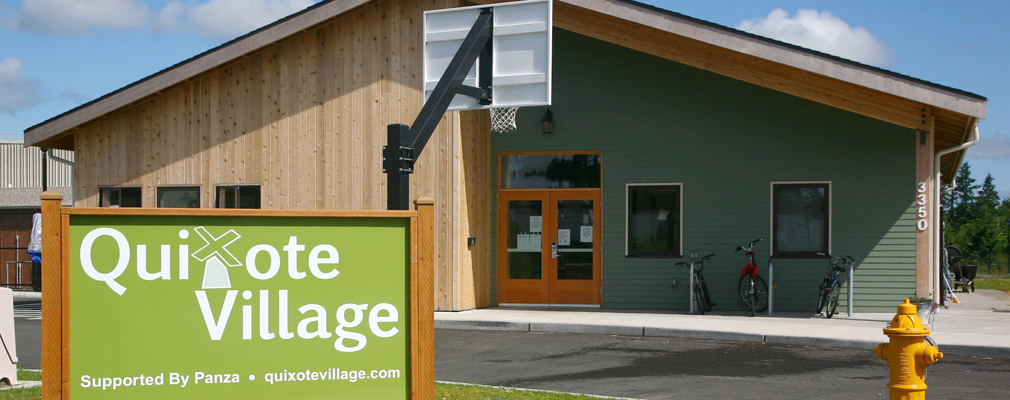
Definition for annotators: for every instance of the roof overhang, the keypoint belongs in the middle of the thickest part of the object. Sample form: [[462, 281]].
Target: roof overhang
[[863, 89]]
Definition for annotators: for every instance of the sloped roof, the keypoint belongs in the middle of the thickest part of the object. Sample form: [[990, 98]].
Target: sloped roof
[[867, 90], [812, 52]]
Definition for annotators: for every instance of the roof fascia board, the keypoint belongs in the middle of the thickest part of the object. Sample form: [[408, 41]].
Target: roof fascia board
[[786, 55], [187, 70]]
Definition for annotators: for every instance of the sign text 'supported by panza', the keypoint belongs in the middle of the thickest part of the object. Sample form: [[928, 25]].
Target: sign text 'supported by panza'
[[257, 307]]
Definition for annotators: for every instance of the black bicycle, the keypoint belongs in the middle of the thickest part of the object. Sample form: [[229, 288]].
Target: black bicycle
[[831, 287], [701, 298], [753, 288]]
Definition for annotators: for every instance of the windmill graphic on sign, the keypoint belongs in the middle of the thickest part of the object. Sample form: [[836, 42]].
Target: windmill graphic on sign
[[216, 258]]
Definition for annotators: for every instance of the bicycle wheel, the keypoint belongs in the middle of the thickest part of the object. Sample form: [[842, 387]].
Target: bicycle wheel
[[706, 301], [836, 290], [760, 294], [699, 299], [822, 299], [751, 296], [743, 286], [748, 293]]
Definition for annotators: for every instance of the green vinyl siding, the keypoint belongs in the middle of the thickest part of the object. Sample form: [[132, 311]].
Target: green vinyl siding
[[726, 141]]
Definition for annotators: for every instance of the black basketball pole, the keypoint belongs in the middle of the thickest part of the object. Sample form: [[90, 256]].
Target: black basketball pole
[[404, 144]]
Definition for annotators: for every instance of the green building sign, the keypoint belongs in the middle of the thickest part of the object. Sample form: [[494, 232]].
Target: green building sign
[[250, 307]]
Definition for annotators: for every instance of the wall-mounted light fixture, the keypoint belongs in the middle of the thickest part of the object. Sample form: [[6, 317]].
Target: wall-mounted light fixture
[[548, 122]]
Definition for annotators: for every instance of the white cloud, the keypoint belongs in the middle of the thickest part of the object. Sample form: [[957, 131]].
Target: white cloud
[[230, 18], [16, 92], [994, 146], [65, 17], [168, 18], [215, 18], [823, 32]]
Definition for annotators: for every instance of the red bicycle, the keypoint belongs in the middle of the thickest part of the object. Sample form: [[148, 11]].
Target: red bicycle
[[753, 288]]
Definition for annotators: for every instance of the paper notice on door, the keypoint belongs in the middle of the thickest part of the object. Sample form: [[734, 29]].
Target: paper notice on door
[[536, 223], [586, 234], [564, 237]]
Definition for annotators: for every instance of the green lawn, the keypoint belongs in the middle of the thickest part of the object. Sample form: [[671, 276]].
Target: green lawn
[[24, 394], [998, 282]]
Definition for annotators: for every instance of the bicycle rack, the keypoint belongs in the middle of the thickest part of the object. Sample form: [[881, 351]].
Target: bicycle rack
[[771, 286], [690, 286], [852, 269]]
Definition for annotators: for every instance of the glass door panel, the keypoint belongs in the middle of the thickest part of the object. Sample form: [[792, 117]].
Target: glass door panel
[[575, 239], [525, 239]]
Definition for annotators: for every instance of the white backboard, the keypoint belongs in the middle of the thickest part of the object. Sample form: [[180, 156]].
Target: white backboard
[[521, 45]]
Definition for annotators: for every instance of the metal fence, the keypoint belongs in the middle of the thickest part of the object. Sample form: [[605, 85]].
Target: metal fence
[[15, 263]]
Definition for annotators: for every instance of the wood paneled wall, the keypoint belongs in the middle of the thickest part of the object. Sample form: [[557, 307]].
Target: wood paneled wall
[[306, 118], [476, 210]]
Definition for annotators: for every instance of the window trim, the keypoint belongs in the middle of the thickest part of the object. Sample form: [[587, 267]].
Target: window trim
[[680, 219], [217, 195], [102, 188], [771, 218], [157, 193]]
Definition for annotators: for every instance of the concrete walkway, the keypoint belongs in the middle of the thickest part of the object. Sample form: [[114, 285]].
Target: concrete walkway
[[978, 326]]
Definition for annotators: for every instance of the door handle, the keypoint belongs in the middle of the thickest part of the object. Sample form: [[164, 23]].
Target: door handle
[[554, 249]]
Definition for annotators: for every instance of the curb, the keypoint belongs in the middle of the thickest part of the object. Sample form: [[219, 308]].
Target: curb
[[587, 328], [483, 325], [705, 335], [624, 330], [975, 351], [23, 385]]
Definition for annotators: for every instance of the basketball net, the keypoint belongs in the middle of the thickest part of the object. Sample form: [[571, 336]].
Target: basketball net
[[503, 119]]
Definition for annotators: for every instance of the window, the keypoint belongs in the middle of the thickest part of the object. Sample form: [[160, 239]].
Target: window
[[801, 220], [238, 196], [179, 197], [119, 196], [654, 220], [550, 171]]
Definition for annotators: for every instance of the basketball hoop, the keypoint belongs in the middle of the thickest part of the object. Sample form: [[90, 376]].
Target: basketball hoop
[[503, 119]]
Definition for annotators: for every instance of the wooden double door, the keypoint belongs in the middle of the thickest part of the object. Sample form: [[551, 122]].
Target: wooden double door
[[549, 247]]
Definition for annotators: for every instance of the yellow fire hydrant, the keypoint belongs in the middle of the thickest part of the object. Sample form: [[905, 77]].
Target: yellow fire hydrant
[[907, 355]]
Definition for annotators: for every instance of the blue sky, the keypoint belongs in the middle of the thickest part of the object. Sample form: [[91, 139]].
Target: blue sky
[[58, 54]]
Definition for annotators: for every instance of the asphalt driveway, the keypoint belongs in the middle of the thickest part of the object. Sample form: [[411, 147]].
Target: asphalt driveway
[[671, 368]]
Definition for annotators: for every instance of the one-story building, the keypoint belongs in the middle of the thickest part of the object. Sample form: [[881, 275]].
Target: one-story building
[[671, 136], [24, 172]]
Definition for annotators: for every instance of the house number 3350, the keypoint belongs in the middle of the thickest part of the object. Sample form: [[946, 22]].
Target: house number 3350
[[920, 201]]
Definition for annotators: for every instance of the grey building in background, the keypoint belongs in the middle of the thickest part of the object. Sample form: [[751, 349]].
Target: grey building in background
[[21, 182]]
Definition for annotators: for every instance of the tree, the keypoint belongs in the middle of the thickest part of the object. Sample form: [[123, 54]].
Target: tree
[[1003, 213], [985, 219], [958, 203], [987, 198], [974, 216]]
